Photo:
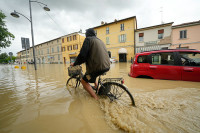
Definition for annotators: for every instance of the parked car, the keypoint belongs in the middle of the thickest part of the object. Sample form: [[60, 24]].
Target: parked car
[[112, 60], [172, 64]]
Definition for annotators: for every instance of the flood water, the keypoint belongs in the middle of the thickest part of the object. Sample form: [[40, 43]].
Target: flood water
[[39, 101]]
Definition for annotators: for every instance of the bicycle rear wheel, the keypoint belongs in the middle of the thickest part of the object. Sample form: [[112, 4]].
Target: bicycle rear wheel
[[118, 92], [73, 82]]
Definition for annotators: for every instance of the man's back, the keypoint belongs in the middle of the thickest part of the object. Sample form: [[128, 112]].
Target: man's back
[[98, 58]]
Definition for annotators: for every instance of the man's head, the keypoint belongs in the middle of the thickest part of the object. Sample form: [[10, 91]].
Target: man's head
[[90, 32]]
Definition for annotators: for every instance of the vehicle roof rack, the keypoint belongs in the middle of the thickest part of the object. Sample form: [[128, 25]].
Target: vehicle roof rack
[[170, 49]]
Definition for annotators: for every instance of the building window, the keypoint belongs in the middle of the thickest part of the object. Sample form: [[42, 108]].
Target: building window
[[75, 46], [48, 51], [141, 37], [74, 37], [57, 48], [122, 27], [62, 41], [107, 30], [183, 34], [52, 50], [58, 57], [69, 48], [160, 34], [107, 40], [63, 49], [69, 39], [122, 38]]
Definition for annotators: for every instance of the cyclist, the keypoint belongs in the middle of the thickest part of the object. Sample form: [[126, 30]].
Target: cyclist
[[95, 55]]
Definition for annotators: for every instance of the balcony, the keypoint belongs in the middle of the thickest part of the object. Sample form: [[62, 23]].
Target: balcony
[[150, 43]]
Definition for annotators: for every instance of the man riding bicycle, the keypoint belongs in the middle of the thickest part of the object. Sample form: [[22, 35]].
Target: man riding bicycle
[[95, 55]]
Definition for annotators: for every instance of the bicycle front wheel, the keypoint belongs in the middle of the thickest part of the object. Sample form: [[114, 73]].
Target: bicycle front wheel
[[73, 82], [118, 92]]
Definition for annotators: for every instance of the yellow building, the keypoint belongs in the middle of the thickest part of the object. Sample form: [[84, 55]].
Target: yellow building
[[71, 45], [118, 37]]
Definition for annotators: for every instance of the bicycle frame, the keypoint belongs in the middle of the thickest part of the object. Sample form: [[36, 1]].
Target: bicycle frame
[[103, 87]]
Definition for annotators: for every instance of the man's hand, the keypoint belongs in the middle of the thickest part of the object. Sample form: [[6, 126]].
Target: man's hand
[[72, 64]]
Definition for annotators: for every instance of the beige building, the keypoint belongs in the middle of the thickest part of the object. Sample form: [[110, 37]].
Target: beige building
[[186, 35], [45, 53], [21, 56], [119, 37], [71, 45], [49, 52]]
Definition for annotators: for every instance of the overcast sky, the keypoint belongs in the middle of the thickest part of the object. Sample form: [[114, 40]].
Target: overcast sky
[[68, 16]]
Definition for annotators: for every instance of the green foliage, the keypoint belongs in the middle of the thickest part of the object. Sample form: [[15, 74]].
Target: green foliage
[[4, 58], [5, 35]]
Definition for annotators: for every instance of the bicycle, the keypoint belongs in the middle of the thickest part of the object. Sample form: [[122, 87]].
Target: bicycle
[[113, 88]]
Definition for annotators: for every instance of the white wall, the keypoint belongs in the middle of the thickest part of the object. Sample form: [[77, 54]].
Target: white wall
[[152, 35]]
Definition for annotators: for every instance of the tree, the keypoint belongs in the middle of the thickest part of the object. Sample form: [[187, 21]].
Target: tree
[[5, 35], [3, 58]]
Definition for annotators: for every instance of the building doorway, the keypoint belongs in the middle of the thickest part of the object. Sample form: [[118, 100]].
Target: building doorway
[[122, 55], [122, 58], [109, 54]]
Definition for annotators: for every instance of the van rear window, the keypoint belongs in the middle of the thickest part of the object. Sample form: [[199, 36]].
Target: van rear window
[[142, 59], [163, 58]]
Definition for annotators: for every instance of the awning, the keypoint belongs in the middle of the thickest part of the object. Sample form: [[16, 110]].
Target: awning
[[122, 51]]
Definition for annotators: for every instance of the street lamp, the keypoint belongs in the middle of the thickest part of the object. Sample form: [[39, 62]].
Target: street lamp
[[16, 15]]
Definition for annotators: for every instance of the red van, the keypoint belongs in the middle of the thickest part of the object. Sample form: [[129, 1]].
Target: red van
[[172, 64]]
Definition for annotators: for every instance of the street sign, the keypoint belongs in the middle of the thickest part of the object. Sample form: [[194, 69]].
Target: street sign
[[25, 43], [10, 53]]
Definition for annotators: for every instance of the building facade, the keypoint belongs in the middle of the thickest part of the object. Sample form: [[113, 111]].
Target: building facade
[[153, 38], [21, 56], [118, 37], [71, 45], [45, 53], [186, 36], [48, 52]]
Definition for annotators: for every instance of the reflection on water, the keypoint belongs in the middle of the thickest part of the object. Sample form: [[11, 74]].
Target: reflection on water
[[38, 101]]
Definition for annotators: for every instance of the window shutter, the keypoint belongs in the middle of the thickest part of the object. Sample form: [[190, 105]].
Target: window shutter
[[181, 34], [185, 34], [161, 31], [141, 34], [118, 38], [124, 37]]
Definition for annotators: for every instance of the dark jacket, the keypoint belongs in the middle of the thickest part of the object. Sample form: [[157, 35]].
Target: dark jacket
[[93, 53]]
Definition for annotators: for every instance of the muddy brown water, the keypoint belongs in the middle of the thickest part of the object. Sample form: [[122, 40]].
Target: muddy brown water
[[38, 101]]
